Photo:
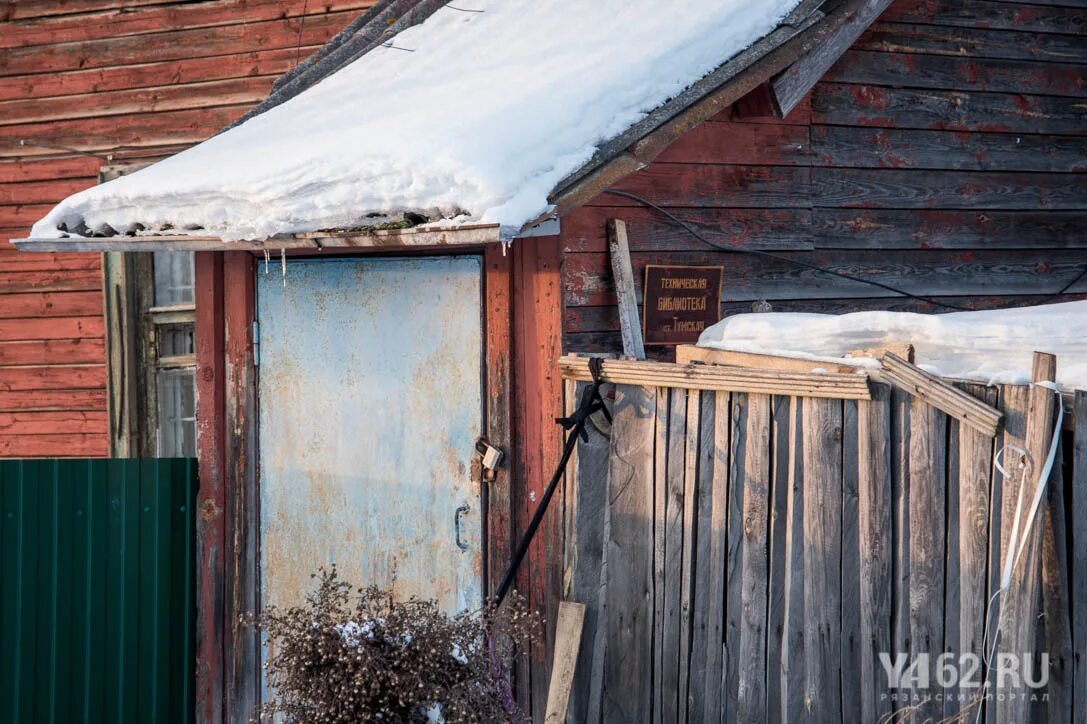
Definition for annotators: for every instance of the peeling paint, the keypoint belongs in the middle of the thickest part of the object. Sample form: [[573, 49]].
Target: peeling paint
[[370, 404]]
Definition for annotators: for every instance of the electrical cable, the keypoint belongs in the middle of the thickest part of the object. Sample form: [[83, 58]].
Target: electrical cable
[[757, 252]]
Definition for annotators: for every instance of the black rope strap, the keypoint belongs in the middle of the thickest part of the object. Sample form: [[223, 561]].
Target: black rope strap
[[591, 403]]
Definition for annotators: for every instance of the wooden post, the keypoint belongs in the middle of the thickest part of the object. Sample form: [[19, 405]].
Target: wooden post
[[1079, 559], [629, 319], [568, 626], [1019, 632]]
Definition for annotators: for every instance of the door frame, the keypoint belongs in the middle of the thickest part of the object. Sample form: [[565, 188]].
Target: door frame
[[228, 522]]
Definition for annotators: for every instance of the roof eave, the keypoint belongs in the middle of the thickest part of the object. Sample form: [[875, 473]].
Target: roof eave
[[427, 235]]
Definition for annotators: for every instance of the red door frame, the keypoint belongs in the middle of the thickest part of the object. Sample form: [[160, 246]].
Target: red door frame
[[227, 653]]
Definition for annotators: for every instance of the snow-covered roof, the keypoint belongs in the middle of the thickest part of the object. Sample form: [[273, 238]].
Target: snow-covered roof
[[475, 114], [986, 346]]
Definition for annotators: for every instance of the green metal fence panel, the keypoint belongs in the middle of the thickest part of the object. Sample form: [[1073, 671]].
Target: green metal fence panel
[[97, 599]]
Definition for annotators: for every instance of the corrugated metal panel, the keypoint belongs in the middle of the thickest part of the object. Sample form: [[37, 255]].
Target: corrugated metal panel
[[96, 590]]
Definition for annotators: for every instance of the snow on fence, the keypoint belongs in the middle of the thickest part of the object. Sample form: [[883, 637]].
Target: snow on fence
[[750, 556]]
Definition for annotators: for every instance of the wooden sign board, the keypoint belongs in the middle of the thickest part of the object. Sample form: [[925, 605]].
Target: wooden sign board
[[680, 302]]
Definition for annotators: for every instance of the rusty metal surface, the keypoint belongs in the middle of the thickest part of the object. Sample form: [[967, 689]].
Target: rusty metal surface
[[370, 404]]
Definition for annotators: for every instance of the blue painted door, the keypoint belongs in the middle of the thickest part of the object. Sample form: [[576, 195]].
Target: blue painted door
[[370, 405]]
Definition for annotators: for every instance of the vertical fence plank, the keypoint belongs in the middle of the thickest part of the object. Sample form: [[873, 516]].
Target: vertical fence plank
[[851, 565], [970, 456], [793, 668], [1056, 592], [660, 497], [900, 527], [690, 501], [776, 598], [822, 557], [628, 671], [707, 620], [927, 503], [585, 538], [749, 574], [1079, 558], [875, 545], [741, 403], [673, 555], [1018, 612]]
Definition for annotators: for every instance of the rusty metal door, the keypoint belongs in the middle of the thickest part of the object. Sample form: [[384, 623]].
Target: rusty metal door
[[370, 405]]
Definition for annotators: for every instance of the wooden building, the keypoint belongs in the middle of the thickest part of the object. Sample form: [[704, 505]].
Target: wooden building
[[934, 147], [88, 90]]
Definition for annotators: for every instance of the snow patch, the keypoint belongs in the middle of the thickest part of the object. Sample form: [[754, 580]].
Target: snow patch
[[994, 347]]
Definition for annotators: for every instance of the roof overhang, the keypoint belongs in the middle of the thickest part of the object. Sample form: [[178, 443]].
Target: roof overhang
[[461, 235]]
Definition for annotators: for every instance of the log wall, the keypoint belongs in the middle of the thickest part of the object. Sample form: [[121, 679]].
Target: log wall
[[124, 80], [944, 155]]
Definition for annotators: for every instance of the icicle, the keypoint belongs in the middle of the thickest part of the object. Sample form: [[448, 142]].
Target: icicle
[[283, 265], [267, 258]]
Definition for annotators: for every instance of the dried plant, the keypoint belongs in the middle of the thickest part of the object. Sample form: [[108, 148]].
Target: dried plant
[[360, 655]]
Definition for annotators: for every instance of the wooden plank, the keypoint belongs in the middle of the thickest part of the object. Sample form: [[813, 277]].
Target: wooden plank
[[792, 84], [498, 502], [781, 462], [716, 377], [846, 105], [50, 377], [54, 446], [173, 44], [893, 188], [757, 144], [749, 515], [1055, 615], [944, 397], [862, 67], [822, 452], [794, 701], [568, 628], [874, 505], [706, 673], [50, 304], [1079, 559], [211, 623], [850, 645], [122, 22], [243, 678], [688, 353], [1035, 17], [932, 273], [970, 455], [57, 328], [672, 579], [52, 351], [946, 229], [54, 399], [900, 404], [208, 94], [1018, 614], [627, 674], [691, 493], [689, 185], [660, 516], [629, 319], [972, 42], [709, 697], [54, 423], [583, 229], [184, 71], [860, 147], [927, 505]]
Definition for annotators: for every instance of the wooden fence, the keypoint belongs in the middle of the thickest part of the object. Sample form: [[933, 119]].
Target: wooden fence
[[749, 557]]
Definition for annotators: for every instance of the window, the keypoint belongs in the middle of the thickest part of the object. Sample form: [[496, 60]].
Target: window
[[151, 347], [151, 335]]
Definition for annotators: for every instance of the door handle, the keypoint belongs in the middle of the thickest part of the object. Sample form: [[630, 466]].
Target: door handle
[[456, 526]]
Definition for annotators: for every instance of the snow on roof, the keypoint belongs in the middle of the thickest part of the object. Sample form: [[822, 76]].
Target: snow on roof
[[986, 346], [468, 115]]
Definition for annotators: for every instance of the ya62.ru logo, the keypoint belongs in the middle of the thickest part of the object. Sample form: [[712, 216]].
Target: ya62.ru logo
[[1008, 671]]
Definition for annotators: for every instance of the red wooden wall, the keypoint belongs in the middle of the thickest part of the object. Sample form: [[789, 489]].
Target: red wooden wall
[[945, 154], [128, 79]]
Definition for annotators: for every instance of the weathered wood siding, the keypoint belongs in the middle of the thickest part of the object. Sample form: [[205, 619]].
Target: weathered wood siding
[[126, 79], [944, 154]]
